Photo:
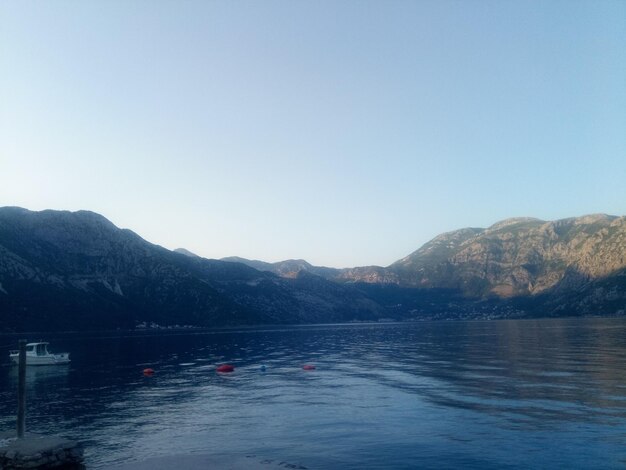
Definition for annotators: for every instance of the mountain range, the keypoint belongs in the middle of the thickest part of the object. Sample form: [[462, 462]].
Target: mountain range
[[63, 270]]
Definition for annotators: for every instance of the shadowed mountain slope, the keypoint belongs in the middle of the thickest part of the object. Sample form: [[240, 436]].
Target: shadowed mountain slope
[[76, 270]]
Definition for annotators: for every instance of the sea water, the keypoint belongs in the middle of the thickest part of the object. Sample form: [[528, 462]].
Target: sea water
[[498, 394]]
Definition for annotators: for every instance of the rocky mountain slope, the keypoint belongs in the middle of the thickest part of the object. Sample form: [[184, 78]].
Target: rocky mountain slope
[[523, 265], [64, 270], [513, 257], [518, 256], [76, 270]]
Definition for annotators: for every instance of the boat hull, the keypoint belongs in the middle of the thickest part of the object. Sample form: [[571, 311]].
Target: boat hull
[[50, 360]]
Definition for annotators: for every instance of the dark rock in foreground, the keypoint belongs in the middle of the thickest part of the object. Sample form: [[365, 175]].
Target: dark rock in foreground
[[40, 452]]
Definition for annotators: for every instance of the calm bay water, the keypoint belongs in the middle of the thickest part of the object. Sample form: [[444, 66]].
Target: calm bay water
[[501, 394]]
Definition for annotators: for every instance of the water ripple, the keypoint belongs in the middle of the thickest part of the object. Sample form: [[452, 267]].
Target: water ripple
[[514, 394]]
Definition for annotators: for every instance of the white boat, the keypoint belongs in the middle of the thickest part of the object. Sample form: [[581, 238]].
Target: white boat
[[37, 355]]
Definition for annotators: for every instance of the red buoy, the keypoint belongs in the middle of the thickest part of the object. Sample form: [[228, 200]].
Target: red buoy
[[308, 367], [225, 368], [148, 371]]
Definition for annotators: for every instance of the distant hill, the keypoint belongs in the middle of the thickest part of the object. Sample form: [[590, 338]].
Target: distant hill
[[186, 252], [289, 268], [64, 270]]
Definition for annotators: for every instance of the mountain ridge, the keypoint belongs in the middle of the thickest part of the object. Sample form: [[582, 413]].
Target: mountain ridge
[[74, 270], [517, 256], [61, 268]]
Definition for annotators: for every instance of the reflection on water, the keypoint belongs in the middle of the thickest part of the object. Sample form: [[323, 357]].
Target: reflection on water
[[41, 375], [516, 394]]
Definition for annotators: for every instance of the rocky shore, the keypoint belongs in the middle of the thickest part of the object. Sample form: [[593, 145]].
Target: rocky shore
[[40, 452]]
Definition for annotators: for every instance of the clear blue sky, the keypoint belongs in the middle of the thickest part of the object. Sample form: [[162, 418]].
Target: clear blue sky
[[343, 132]]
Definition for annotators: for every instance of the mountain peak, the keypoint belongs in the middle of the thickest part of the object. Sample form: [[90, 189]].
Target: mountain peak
[[515, 221], [186, 252]]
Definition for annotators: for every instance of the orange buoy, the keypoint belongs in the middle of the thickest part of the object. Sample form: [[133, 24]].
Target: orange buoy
[[225, 368], [308, 367], [148, 371]]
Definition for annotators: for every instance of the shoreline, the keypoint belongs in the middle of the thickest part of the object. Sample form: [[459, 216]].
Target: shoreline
[[271, 326]]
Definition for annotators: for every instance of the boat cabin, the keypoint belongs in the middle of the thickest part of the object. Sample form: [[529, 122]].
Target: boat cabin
[[37, 349]]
